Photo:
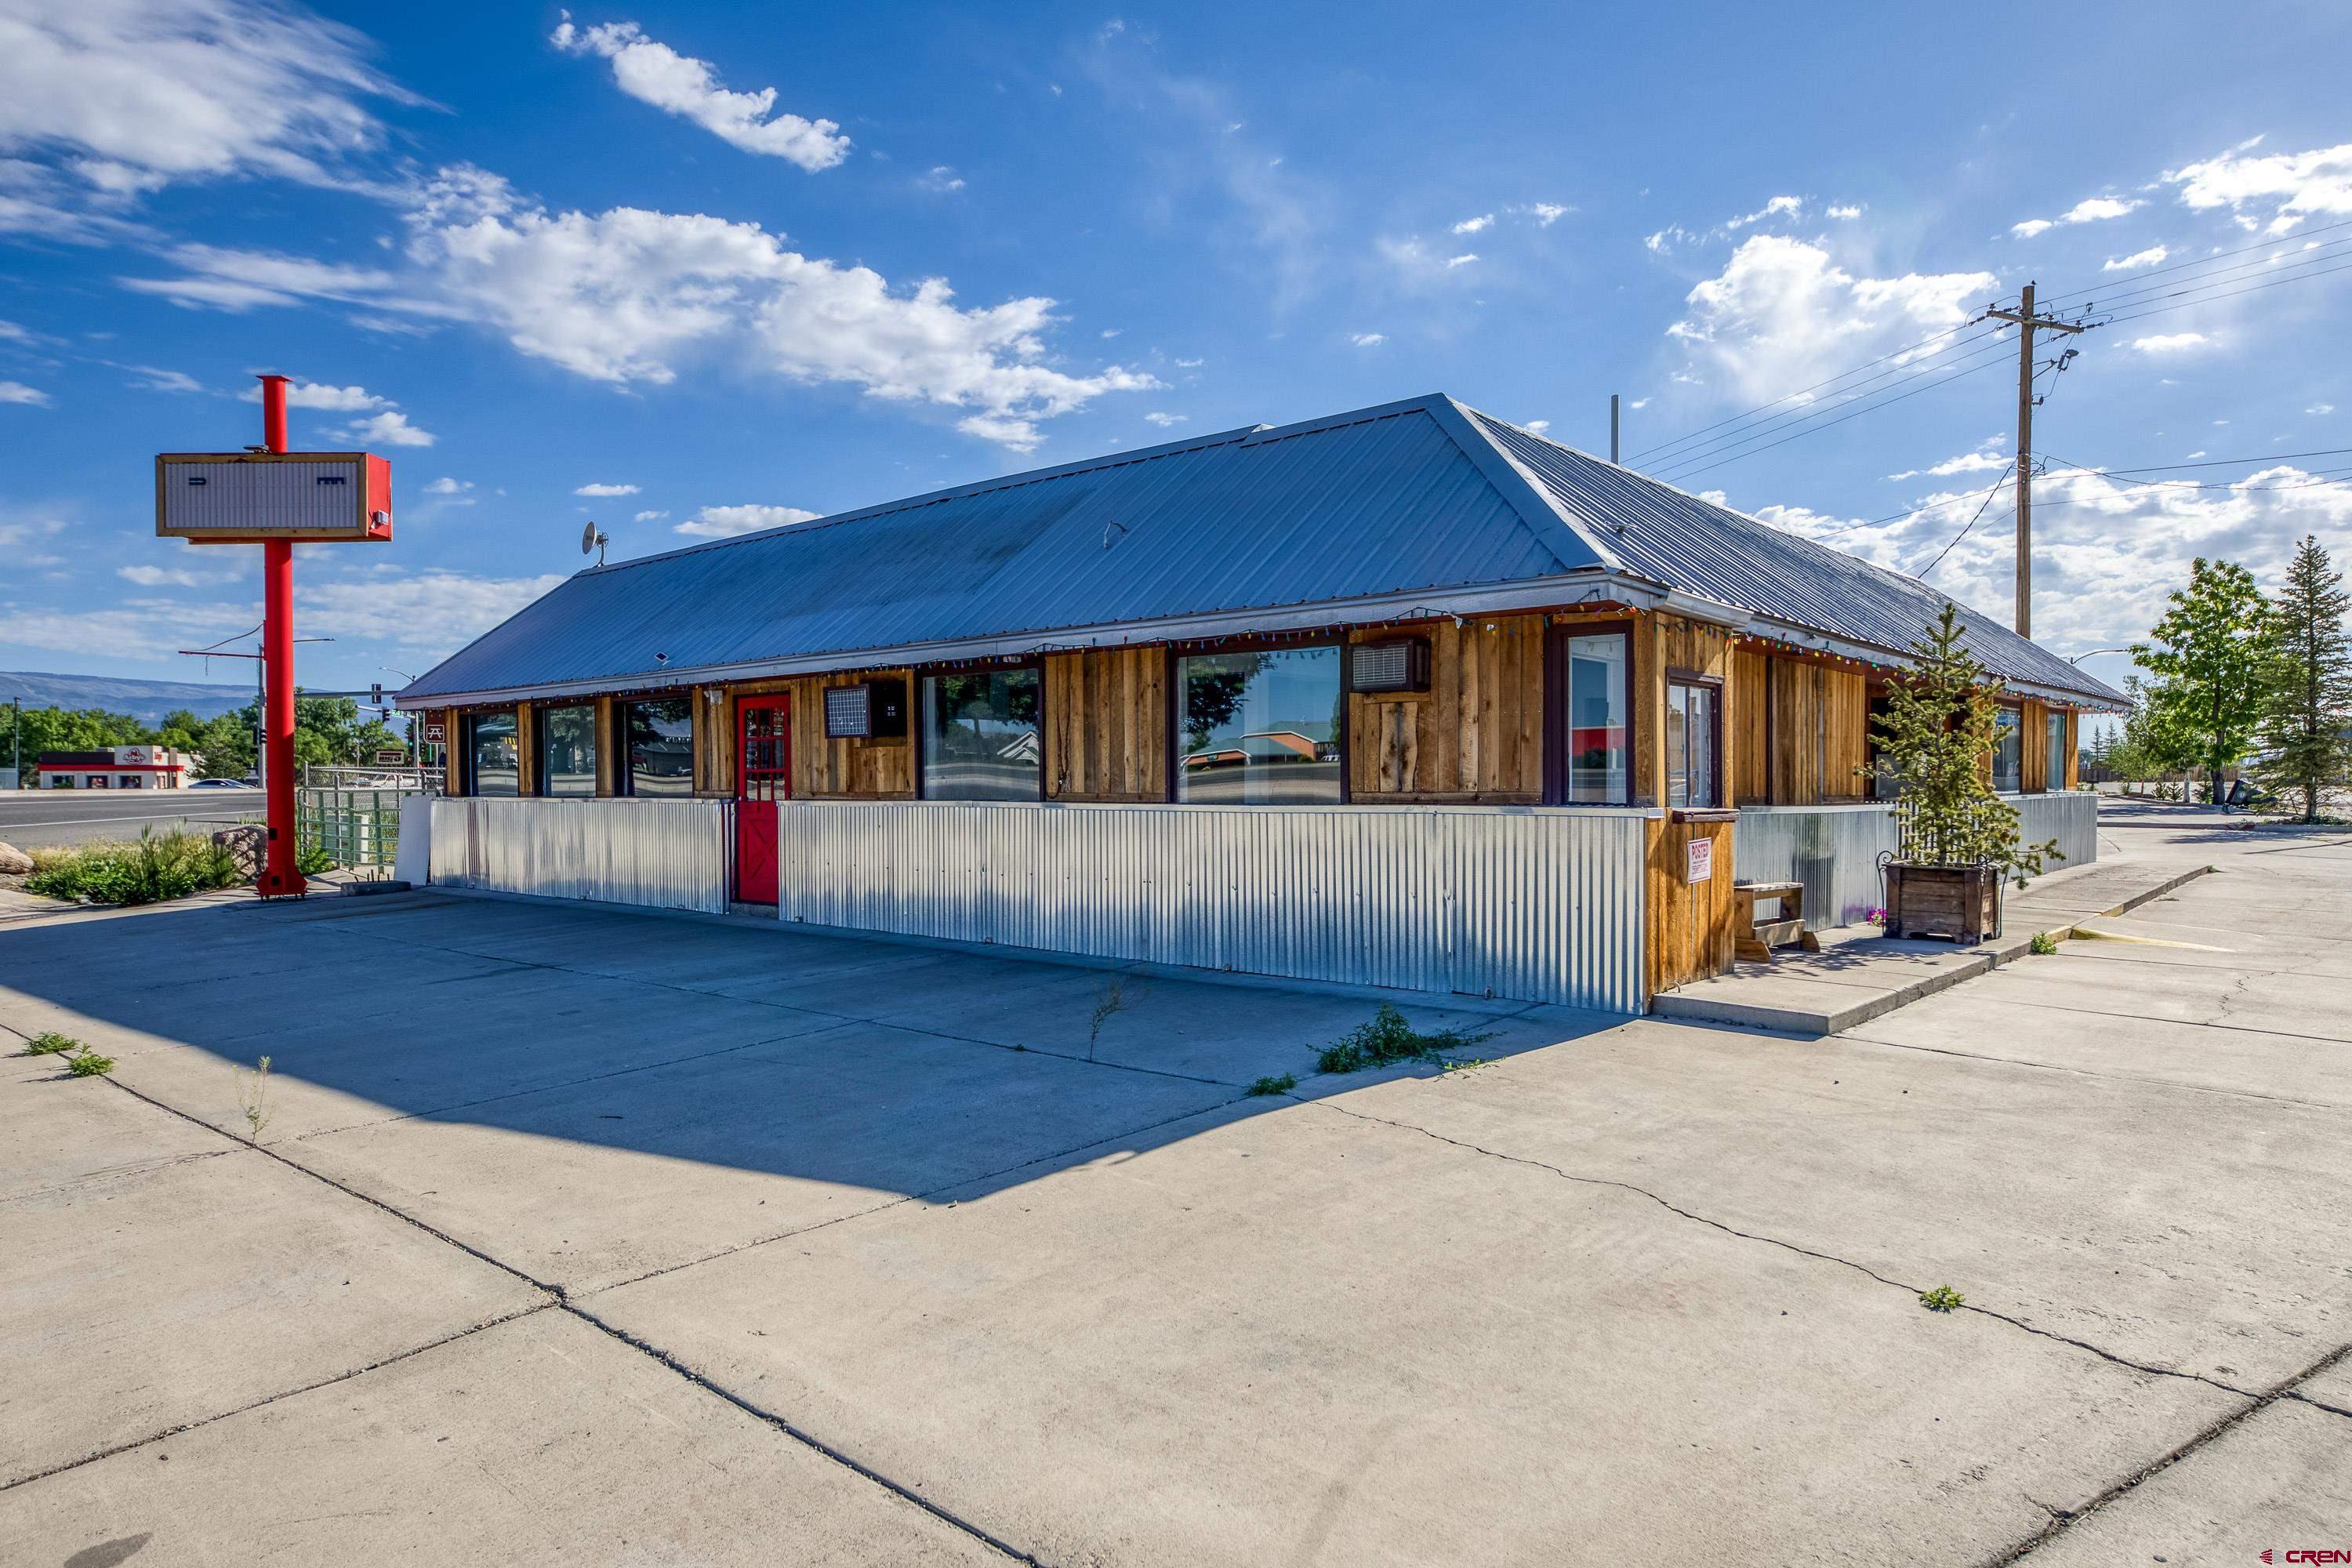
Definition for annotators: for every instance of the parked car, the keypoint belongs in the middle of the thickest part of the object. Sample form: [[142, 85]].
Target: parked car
[[220, 784]]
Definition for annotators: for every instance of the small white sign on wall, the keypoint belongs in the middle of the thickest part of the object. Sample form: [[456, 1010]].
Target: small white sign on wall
[[1702, 861]]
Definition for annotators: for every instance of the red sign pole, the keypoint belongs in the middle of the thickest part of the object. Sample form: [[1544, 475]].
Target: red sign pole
[[281, 879]]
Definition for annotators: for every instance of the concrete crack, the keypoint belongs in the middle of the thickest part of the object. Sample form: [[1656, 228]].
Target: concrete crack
[[2060, 1524], [1802, 1251]]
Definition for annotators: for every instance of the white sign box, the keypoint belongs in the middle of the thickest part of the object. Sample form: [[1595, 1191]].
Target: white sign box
[[1702, 861], [241, 496]]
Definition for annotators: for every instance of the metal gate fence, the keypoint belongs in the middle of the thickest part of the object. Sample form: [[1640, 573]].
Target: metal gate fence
[[352, 828]]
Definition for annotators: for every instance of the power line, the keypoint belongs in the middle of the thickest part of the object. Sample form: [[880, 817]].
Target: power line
[[1677, 471], [2129, 294], [2208, 260], [2232, 462], [2229, 294], [1992, 491]]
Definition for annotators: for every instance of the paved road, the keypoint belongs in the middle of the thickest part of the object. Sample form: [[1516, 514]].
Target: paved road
[[31, 818], [582, 1235]]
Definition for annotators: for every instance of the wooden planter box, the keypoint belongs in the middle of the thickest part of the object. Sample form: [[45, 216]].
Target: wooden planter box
[[1959, 902]]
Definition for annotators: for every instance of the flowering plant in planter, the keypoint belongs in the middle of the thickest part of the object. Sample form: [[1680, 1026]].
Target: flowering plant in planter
[[1960, 839]]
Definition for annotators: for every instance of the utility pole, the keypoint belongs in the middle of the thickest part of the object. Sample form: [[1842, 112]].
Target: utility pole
[[1612, 427], [2027, 324]]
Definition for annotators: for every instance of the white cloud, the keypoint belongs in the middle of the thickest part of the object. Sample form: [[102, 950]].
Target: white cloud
[[1464, 259], [595, 489], [1165, 420], [2138, 258], [1537, 426], [1474, 225], [1842, 213], [625, 295], [11, 333], [1639, 403], [1779, 206], [1368, 340], [153, 378], [434, 611], [942, 179], [173, 576], [143, 629], [1545, 213], [2321, 408], [726, 522], [1783, 314], [2170, 342], [448, 487], [1189, 364], [2091, 209], [1983, 460], [2106, 553], [120, 98], [18, 392], [315, 395], [2292, 186], [680, 84], [649, 517], [390, 428]]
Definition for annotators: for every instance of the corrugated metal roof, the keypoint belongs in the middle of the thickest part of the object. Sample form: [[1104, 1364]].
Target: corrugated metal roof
[[1388, 499], [1401, 498], [1676, 539]]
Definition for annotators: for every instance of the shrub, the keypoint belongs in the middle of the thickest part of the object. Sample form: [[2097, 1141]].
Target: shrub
[[2043, 944], [1388, 1038], [313, 861], [168, 866], [1271, 1085]]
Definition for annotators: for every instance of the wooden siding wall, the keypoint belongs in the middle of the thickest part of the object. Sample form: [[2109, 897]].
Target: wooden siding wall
[[609, 762], [1747, 731], [1677, 645], [2072, 762], [1689, 936], [822, 769], [2033, 747], [1821, 717], [526, 750], [1106, 724], [1476, 736]]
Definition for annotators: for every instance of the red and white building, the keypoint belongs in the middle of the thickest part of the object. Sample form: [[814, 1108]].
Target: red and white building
[[117, 767]]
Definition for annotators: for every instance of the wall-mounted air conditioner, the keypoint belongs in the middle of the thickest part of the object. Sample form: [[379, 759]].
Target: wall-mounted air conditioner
[[870, 710], [1397, 664]]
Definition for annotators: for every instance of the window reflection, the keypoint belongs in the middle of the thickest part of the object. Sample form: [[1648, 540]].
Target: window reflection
[[980, 736], [494, 755], [1600, 744], [2008, 754], [2054, 773], [567, 750], [1692, 745], [1259, 728], [657, 742]]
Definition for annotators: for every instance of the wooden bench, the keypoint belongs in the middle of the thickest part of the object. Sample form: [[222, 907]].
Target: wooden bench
[[1755, 939]]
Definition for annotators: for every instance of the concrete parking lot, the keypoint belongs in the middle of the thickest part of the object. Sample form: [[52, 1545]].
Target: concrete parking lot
[[576, 1235]]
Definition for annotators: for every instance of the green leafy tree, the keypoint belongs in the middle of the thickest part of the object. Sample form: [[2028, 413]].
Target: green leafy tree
[[2151, 742], [327, 731], [54, 728], [1937, 736], [2306, 711], [2211, 654]]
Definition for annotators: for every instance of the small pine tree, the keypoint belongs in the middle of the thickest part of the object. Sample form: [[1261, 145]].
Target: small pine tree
[[2211, 654], [2306, 710], [1938, 733]]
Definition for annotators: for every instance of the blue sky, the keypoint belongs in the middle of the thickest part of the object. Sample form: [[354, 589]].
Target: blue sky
[[532, 257]]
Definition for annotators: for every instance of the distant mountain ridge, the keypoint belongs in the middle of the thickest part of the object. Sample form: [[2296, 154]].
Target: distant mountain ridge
[[145, 701]]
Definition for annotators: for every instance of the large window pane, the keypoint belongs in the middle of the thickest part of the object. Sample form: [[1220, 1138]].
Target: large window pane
[[1600, 745], [2008, 755], [2054, 775], [567, 750], [494, 758], [1691, 746], [657, 742], [980, 736], [1258, 729]]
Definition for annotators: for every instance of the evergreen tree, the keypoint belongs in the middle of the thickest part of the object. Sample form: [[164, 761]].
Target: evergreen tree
[[2211, 656], [1937, 734], [2306, 711]]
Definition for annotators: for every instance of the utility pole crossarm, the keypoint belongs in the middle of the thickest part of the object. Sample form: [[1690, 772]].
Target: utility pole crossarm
[[2027, 322]]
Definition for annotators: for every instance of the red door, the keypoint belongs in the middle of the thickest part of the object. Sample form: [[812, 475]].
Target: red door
[[763, 777]]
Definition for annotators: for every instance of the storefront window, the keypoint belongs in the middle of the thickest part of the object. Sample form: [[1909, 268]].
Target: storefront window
[[1599, 738], [567, 750], [982, 736], [657, 741], [494, 759], [1693, 744], [1259, 728], [2054, 775], [2008, 754]]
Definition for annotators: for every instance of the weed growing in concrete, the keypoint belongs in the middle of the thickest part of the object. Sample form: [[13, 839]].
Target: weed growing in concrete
[[50, 1043], [1388, 1038], [2042, 943], [81, 1060], [1942, 1299], [87, 1063], [1271, 1085], [253, 1098], [1112, 999], [1462, 1064]]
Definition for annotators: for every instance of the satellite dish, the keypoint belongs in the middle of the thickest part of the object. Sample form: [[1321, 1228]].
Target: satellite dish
[[590, 539]]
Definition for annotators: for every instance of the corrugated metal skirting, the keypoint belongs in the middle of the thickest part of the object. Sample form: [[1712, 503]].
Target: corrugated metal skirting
[[1833, 849], [1543, 906], [669, 854]]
